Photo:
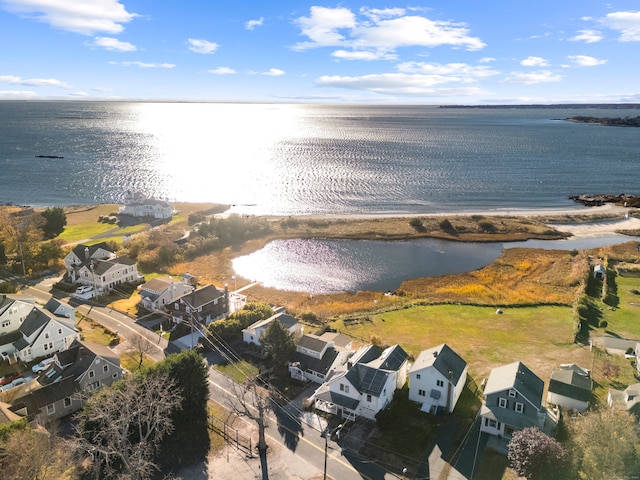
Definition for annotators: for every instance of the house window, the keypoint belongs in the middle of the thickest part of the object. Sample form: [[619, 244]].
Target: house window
[[422, 393], [115, 375], [342, 387], [59, 331], [512, 393], [519, 407], [67, 402], [105, 368], [502, 402], [368, 398], [51, 409], [418, 376], [440, 383], [6, 323], [346, 389], [94, 385], [489, 422], [46, 334], [92, 374]]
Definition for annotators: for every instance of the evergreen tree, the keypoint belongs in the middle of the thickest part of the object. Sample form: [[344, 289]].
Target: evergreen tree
[[55, 221]]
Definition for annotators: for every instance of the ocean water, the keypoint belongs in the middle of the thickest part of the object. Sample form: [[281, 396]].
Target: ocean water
[[284, 159]]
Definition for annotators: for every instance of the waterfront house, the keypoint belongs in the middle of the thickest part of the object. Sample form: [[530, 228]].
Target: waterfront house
[[253, 332], [437, 378], [160, 292], [317, 357], [203, 305], [366, 383], [513, 401], [60, 389], [105, 275], [137, 205], [570, 386], [82, 254]]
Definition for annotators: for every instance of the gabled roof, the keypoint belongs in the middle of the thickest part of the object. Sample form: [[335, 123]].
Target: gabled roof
[[391, 359], [627, 399], [367, 379], [339, 340], [324, 393], [285, 319], [39, 398], [571, 381], [75, 361], [320, 365], [80, 250], [444, 360], [312, 342], [100, 267], [201, 296], [34, 321], [156, 285], [518, 377]]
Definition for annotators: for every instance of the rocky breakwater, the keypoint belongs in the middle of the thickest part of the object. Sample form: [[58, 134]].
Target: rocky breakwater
[[596, 200]]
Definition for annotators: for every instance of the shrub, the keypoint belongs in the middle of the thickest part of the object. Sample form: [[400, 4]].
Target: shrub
[[447, 226], [416, 224], [487, 227], [603, 324]]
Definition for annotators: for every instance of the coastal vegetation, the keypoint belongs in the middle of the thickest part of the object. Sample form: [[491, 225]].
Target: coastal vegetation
[[608, 121]]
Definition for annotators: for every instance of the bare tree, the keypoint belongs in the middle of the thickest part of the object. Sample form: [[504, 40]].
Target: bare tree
[[122, 426], [140, 347], [253, 403]]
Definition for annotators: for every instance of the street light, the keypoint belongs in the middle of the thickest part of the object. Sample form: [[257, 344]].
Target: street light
[[327, 434]]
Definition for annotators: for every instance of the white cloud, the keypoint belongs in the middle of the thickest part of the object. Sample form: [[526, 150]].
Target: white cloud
[[17, 94], [380, 30], [144, 64], [398, 84], [222, 71], [627, 23], [486, 60], [530, 78], [586, 60], [32, 82], [587, 36], [452, 72], [363, 55], [113, 44], [534, 62], [273, 72], [82, 17], [202, 46], [251, 24]]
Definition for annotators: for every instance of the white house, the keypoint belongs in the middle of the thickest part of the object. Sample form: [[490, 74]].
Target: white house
[[437, 378], [138, 205], [13, 311], [43, 335], [81, 254], [626, 400], [317, 357], [104, 275], [570, 387], [60, 309], [367, 384], [253, 332], [160, 292]]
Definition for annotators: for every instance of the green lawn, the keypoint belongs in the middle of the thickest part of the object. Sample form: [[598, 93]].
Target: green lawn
[[238, 371], [75, 233], [624, 319], [541, 337]]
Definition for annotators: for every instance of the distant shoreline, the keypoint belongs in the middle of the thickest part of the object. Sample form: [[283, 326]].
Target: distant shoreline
[[612, 106]]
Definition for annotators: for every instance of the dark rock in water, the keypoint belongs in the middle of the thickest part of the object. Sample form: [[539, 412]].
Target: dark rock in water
[[595, 200], [48, 156]]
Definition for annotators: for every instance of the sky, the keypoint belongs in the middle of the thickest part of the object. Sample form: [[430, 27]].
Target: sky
[[469, 52]]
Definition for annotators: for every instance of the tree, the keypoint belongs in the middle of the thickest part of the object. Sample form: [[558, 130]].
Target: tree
[[535, 455], [140, 347], [189, 441], [55, 221], [121, 426], [29, 454], [279, 345], [253, 403], [605, 444]]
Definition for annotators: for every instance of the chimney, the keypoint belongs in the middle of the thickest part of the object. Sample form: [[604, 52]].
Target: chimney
[[80, 352], [86, 253], [435, 354]]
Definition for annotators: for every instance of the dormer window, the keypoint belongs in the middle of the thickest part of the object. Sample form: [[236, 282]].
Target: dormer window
[[512, 393]]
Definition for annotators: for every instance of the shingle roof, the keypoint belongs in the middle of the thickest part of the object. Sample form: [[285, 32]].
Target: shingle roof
[[202, 296], [443, 359], [80, 250], [34, 321], [571, 381], [517, 376], [391, 359], [312, 342], [320, 365]]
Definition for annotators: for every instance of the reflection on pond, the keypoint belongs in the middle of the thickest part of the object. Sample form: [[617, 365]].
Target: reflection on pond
[[320, 265], [324, 266]]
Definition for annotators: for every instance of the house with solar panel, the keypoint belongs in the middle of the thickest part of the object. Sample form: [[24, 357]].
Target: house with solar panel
[[437, 378], [513, 401], [365, 385]]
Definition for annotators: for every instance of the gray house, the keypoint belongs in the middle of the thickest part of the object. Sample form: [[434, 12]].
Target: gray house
[[513, 401]]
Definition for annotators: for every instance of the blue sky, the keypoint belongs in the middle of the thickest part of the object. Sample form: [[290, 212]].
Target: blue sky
[[427, 52]]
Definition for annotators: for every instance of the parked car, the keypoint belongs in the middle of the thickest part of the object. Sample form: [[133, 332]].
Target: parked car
[[15, 383], [10, 377], [38, 367], [84, 289]]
